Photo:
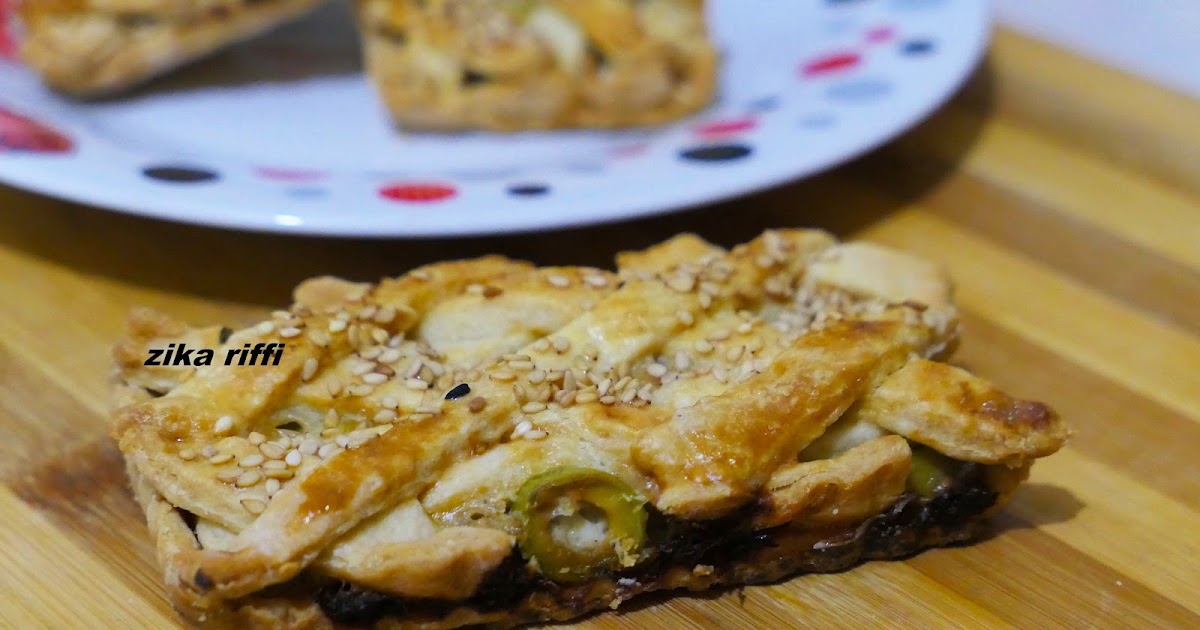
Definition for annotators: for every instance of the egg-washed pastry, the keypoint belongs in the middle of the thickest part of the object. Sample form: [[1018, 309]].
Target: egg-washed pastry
[[536, 64], [93, 48], [489, 442]]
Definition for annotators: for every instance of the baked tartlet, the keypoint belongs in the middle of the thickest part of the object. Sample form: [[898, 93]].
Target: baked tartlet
[[92, 48], [537, 64], [487, 442]]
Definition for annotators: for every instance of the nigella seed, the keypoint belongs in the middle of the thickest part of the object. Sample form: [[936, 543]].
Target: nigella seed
[[460, 390]]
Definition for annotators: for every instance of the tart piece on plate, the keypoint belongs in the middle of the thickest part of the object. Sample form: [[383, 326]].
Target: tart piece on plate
[[488, 442], [92, 48], [537, 64]]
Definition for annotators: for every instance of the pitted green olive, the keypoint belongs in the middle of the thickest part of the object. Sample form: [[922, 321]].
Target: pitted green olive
[[578, 522], [931, 471]]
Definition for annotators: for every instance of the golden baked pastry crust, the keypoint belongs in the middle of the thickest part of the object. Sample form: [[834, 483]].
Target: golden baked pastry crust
[[536, 64], [93, 48], [704, 399]]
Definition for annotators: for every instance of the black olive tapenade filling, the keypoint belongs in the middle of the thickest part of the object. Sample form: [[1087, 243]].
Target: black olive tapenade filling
[[732, 553]]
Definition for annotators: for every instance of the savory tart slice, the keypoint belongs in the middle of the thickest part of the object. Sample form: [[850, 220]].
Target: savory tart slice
[[98, 47], [488, 442], [536, 64]]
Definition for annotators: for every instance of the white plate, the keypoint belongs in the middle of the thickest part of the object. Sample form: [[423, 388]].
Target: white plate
[[284, 134]]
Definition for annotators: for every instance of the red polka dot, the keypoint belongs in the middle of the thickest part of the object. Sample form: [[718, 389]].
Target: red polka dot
[[20, 133], [725, 127], [288, 174], [880, 35], [421, 192], [828, 64], [8, 47]]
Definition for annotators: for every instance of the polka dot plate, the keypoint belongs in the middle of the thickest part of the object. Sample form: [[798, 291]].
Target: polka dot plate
[[284, 133]]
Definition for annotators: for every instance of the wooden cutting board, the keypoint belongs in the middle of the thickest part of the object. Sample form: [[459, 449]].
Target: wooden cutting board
[[1064, 197]]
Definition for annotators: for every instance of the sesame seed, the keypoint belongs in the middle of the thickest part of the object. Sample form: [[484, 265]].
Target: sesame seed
[[682, 361], [272, 451], [431, 409], [558, 280], [187, 454], [561, 344], [309, 446], [608, 400], [533, 407], [764, 261], [223, 425], [476, 405], [229, 476], [255, 438], [703, 346], [536, 377], [705, 301], [220, 458], [341, 441], [293, 458], [390, 402], [681, 283], [625, 380], [745, 327], [329, 433], [521, 429], [318, 338], [208, 450], [734, 353], [375, 378], [657, 370], [603, 387], [565, 398], [523, 366], [718, 373], [421, 275], [248, 478], [372, 352], [391, 355], [541, 345], [720, 335], [416, 383], [337, 325], [503, 376], [334, 387], [251, 461], [289, 332], [274, 464], [414, 368], [383, 416], [328, 450], [584, 398], [474, 289], [265, 328], [646, 393], [385, 315], [536, 434], [628, 395], [360, 389], [685, 318], [254, 506], [419, 417], [272, 486], [596, 281]]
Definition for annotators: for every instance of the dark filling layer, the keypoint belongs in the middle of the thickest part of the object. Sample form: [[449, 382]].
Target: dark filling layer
[[736, 554]]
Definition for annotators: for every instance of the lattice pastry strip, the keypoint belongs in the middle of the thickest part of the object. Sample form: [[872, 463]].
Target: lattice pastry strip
[[791, 377]]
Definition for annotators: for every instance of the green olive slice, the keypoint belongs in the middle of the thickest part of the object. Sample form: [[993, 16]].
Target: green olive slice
[[579, 522], [931, 471]]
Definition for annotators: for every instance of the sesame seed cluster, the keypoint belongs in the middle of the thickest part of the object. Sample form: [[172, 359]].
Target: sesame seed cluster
[[387, 376]]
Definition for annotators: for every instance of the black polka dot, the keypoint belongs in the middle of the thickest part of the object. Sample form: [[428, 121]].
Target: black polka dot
[[717, 153], [179, 174], [917, 47], [528, 190]]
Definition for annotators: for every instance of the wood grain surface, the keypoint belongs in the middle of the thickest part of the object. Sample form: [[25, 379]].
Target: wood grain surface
[[1064, 197]]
